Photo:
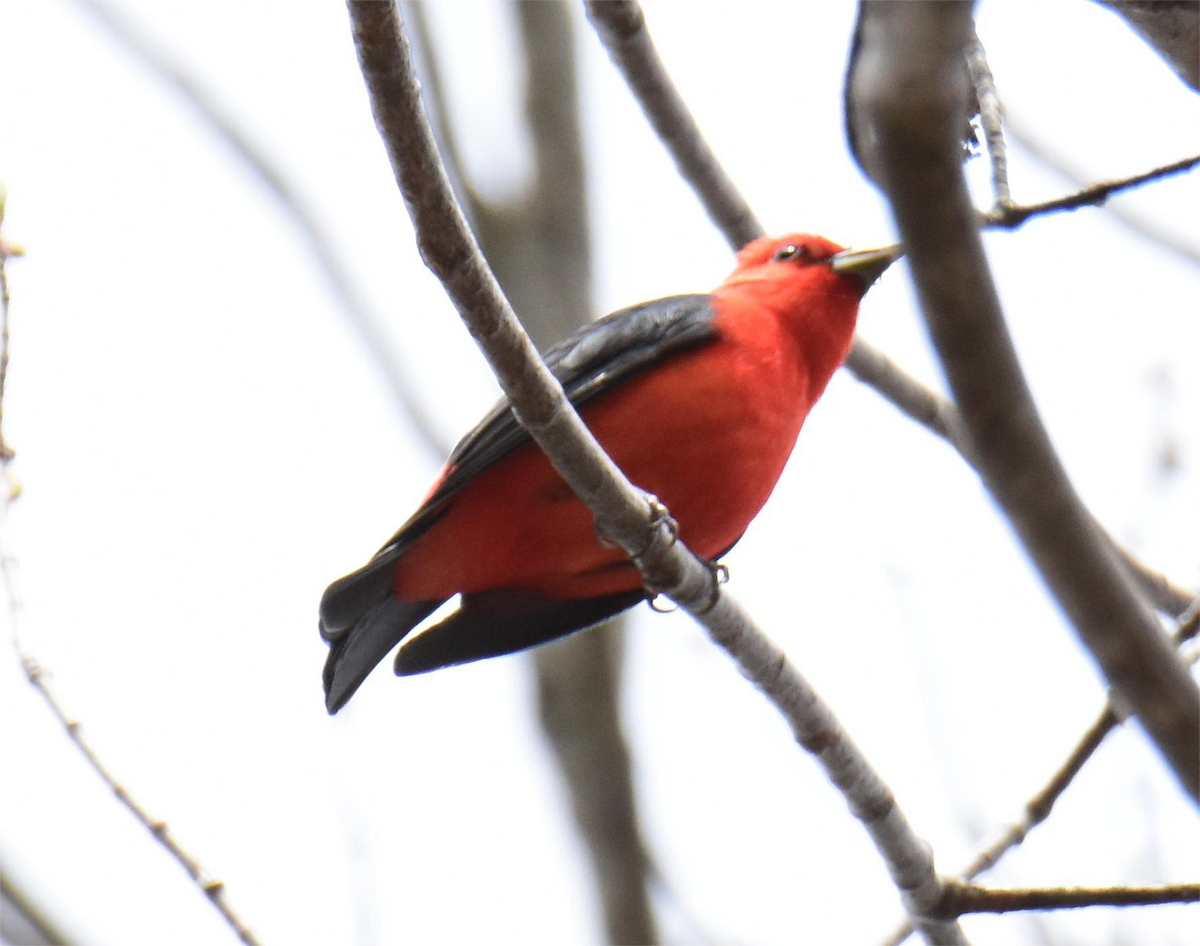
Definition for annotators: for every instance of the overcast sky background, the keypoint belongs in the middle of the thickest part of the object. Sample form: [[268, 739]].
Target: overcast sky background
[[204, 445]]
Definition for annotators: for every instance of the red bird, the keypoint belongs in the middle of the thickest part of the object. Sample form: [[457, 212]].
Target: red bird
[[699, 400]]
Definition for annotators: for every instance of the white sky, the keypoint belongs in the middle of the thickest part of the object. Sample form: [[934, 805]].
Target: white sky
[[203, 446]]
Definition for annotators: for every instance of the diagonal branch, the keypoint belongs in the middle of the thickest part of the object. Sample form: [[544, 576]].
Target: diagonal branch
[[212, 888], [908, 89], [537, 243], [622, 28], [21, 921], [643, 71], [622, 513], [240, 141]]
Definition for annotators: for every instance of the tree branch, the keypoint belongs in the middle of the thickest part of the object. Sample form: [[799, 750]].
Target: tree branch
[[622, 513], [362, 320], [1009, 216], [1136, 222], [213, 889], [907, 86], [622, 28], [962, 898], [538, 245]]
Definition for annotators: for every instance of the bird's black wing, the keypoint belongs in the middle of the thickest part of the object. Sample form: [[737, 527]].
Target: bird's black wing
[[588, 363], [362, 620]]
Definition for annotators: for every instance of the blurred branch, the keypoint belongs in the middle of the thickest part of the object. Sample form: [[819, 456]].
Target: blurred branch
[[579, 708], [1038, 808], [538, 245], [364, 323], [665, 110], [1172, 29], [622, 512], [622, 28], [20, 921], [962, 898], [904, 83]]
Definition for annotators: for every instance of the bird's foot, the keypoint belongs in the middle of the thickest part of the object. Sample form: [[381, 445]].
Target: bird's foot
[[719, 573]]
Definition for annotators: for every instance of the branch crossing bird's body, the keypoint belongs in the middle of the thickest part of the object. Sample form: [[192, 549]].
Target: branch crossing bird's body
[[698, 399]]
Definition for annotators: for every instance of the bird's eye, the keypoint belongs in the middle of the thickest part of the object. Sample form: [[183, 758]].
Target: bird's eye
[[790, 252]]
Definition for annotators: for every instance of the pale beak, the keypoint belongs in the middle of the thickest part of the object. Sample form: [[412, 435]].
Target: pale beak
[[866, 265]]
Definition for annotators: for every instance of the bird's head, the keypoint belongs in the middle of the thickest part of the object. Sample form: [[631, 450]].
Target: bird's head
[[812, 284], [803, 263]]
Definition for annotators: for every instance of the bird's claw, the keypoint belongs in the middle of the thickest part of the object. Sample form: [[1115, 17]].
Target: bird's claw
[[663, 533], [719, 573]]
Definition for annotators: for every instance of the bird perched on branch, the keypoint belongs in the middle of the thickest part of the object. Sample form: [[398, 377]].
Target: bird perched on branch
[[699, 400]]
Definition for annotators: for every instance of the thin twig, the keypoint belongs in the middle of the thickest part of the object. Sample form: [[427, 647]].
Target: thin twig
[[991, 116], [1038, 808], [1009, 216], [908, 90], [962, 898], [622, 513], [1148, 229], [240, 141], [666, 111], [213, 889]]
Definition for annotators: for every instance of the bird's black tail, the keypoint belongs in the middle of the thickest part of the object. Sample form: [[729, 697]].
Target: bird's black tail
[[361, 620]]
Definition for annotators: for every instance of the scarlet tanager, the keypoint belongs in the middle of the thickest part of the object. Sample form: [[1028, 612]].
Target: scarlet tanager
[[699, 400]]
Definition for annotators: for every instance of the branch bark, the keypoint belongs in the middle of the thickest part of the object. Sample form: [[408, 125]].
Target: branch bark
[[622, 513], [363, 321], [908, 83]]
